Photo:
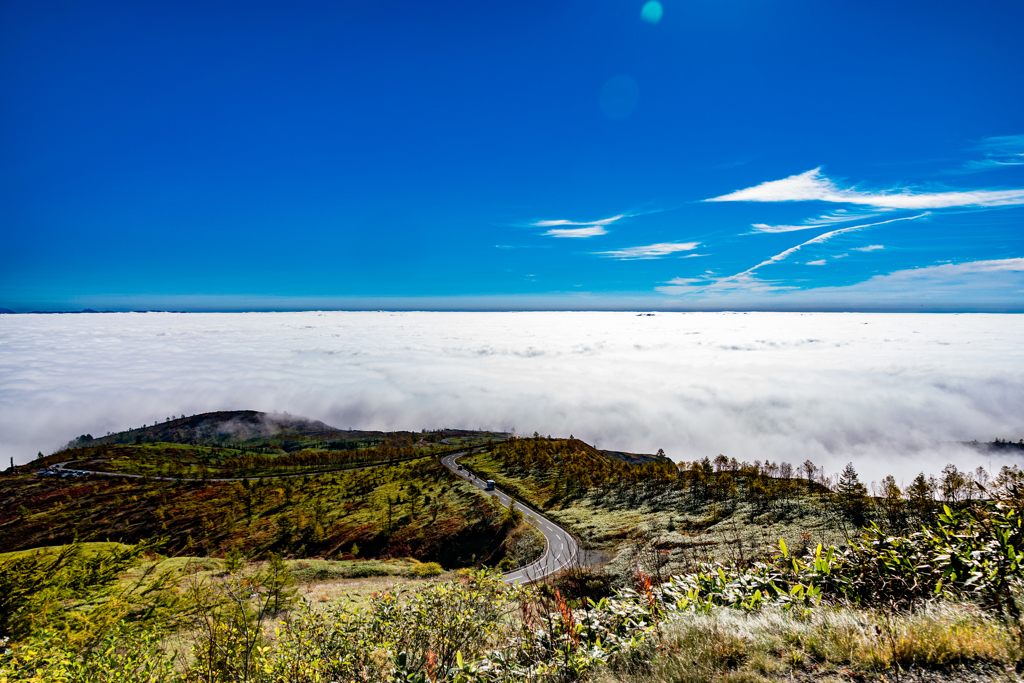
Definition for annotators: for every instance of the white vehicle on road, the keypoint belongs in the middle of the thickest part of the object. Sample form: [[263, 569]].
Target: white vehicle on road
[[561, 549]]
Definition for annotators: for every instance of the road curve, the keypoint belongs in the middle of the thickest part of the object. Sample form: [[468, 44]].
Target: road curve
[[561, 550]]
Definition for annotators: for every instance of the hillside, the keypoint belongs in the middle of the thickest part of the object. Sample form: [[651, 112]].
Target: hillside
[[210, 484], [254, 430], [612, 501], [720, 510], [708, 590], [411, 509], [235, 426], [633, 458]]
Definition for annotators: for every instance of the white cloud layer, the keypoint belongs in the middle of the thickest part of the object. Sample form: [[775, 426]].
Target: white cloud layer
[[651, 251], [813, 186], [883, 390]]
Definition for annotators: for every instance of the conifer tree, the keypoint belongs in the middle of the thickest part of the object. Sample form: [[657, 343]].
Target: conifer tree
[[234, 561], [852, 495], [278, 581]]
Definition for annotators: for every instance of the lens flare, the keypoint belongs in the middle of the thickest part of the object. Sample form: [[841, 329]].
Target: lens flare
[[651, 12]]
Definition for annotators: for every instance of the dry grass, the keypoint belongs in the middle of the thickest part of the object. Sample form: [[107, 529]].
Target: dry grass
[[359, 590], [670, 520], [728, 645]]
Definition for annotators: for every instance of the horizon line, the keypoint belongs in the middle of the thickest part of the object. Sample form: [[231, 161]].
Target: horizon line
[[922, 308]]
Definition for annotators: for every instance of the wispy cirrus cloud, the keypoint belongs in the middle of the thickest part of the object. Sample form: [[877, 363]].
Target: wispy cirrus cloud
[[590, 231], [816, 240], [990, 163], [651, 251], [870, 247], [603, 221], [1000, 152], [814, 186], [948, 283], [681, 285], [1003, 143], [746, 279], [584, 229], [831, 218], [996, 284]]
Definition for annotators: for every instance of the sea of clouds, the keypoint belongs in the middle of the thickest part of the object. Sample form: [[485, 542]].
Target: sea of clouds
[[889, 392]]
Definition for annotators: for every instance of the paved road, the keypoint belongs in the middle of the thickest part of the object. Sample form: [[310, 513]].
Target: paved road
[[561, 550]]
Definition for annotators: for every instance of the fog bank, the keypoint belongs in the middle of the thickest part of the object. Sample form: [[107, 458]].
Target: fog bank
[[886, 391]]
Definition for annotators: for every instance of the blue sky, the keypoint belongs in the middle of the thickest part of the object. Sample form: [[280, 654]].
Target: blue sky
[[226, 156]]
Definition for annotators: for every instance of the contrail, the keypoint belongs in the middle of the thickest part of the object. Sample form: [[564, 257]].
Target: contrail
[[819, 238]]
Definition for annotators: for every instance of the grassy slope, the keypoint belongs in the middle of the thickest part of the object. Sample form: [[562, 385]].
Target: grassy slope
[[198, 462], [665, 517], [276, 433], [88, 549], [433, 514]]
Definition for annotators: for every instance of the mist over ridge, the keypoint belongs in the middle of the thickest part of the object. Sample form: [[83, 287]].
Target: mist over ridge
[[886, 391]]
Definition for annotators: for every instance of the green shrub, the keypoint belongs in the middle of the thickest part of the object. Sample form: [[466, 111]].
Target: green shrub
[[425, 570], [79, 595], [361, 570], [123, 656]]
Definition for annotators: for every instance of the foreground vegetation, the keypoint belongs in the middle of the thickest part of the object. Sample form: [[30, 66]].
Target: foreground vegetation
[[944, 598], [354, 575]]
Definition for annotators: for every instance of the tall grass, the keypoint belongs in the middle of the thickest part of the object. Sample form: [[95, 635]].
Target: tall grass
[[733, 645]]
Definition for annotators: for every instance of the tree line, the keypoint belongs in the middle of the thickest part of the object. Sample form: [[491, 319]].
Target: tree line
[[574, 469]]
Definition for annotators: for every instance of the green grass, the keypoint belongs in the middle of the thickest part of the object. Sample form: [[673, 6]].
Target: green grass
[[304, 571], [414, 509], [88, 550], [186, 461]]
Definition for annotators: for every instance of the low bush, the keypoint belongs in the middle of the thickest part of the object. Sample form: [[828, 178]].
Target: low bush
[[425, 570]]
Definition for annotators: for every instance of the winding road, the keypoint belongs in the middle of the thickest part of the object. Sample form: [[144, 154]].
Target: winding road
[[561, 550]]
